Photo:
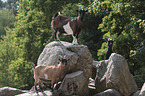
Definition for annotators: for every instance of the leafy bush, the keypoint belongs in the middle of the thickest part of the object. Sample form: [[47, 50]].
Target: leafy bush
[[20, 73]]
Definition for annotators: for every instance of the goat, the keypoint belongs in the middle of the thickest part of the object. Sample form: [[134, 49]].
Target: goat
[[109, 50], [68, 25], [51, 73]]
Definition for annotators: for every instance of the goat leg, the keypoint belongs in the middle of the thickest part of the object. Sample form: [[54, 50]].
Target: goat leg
[[36, 89], [55, 32], [56, 35], [74, 40], [41, 89], [52, 85]]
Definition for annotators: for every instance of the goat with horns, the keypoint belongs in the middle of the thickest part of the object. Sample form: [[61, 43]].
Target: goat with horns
[[68, 25]]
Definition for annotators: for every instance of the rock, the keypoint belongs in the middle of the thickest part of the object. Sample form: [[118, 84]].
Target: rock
[[101, 68], [74, 84], [109, 92], [114, 73], [142, 92], [79, 67], [45, 93], [79, 55], [136, 93], [8, 91]]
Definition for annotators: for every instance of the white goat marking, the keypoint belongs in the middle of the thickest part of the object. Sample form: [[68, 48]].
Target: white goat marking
[[68, 29], [45, 76]]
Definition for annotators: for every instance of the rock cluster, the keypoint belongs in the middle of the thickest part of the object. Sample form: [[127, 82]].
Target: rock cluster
[[114, 73], [112, 78]]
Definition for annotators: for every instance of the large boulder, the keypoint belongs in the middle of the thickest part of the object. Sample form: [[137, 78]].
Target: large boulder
[[114, 73], [80, 61], [142, 92], [109, 92], [8, 91], [79, 55], [74, 84]]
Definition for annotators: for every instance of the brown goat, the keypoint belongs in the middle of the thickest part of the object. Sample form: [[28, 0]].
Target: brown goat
[[50, 73], [68, 25]]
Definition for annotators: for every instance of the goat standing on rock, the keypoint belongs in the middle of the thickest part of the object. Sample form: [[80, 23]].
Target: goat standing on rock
[[53, 74], [68, 25], [109, 50]]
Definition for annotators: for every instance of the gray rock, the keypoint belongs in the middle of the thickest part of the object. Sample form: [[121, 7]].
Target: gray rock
[[8, 91], [109, 92], [80, 62], [114, 73], [142, 92], [79, 55], [136, 93], [74, 84], [45, 93], [101, 68]]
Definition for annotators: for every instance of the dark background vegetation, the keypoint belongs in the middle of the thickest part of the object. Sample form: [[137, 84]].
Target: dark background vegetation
[[25, 30]]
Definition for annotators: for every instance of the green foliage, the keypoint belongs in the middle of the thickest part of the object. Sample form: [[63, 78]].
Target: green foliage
[[90, 35], [10, 50], [140, 77], [1, 4], [14, 69], [102, 51], [20, 73], [7, 19], [123, 21], [33, 27], [11, 5]]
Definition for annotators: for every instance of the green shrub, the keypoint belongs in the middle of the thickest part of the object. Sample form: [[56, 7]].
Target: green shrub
[[20, 73]]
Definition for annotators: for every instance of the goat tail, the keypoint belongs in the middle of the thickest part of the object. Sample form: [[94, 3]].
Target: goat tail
[[33, 65], [58, 13]]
